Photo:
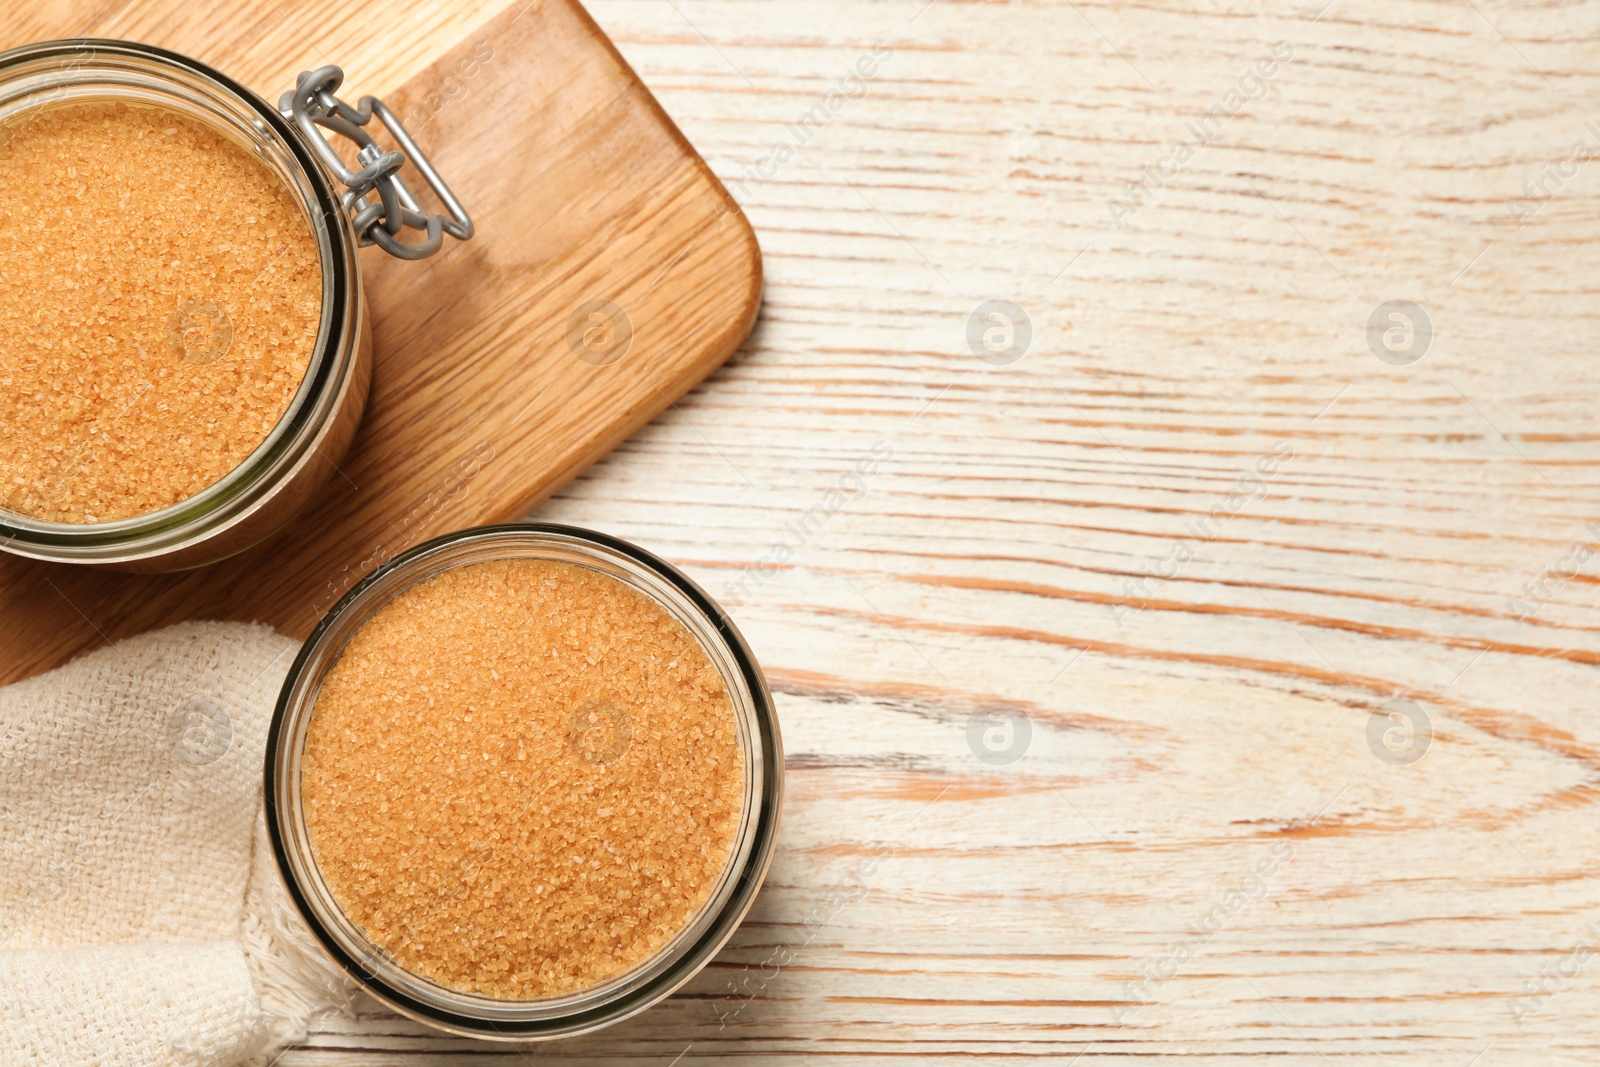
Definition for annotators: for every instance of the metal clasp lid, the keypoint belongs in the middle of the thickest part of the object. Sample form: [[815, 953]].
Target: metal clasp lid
[[311, 104]]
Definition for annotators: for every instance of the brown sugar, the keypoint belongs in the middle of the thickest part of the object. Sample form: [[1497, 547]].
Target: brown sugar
[[160, 296], [521, 778]]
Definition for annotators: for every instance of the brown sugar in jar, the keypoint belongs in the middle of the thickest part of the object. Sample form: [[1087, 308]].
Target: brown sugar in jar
[[521, 778], [160, 301]]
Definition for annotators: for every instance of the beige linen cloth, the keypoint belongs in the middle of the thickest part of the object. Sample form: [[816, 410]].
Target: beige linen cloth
[[141, 919]]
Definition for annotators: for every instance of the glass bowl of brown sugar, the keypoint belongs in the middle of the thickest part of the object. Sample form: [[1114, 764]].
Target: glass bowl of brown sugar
[[524, 781]]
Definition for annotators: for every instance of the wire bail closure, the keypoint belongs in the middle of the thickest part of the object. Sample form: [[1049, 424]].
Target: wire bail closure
[[312, 103]]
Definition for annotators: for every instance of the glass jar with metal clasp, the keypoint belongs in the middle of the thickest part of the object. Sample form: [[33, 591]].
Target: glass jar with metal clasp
[[342, 207]]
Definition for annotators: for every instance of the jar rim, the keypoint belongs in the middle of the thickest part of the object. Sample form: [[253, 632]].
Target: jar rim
[[648, 981], [104, 66]]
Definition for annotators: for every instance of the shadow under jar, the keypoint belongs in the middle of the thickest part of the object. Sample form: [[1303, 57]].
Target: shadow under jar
[[185, 350], [524, 781]]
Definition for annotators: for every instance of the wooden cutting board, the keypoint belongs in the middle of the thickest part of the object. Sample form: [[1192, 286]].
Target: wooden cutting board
[[582, 190]]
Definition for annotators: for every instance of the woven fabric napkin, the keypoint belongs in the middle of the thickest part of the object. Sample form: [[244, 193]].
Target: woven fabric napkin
[[141, 917]]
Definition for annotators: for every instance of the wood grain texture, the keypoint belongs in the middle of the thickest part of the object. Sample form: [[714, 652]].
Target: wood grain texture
[[1011, 905], [1183, 731], [581, 189]]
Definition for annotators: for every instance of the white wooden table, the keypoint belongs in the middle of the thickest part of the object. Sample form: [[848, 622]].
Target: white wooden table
[[1197, 686]]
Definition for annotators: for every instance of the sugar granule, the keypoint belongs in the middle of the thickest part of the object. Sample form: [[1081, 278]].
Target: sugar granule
[[521, 778], [160, 295]]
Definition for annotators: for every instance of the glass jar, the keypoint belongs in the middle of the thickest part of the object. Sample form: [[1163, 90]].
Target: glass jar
[[301, 451], [654, 978]]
